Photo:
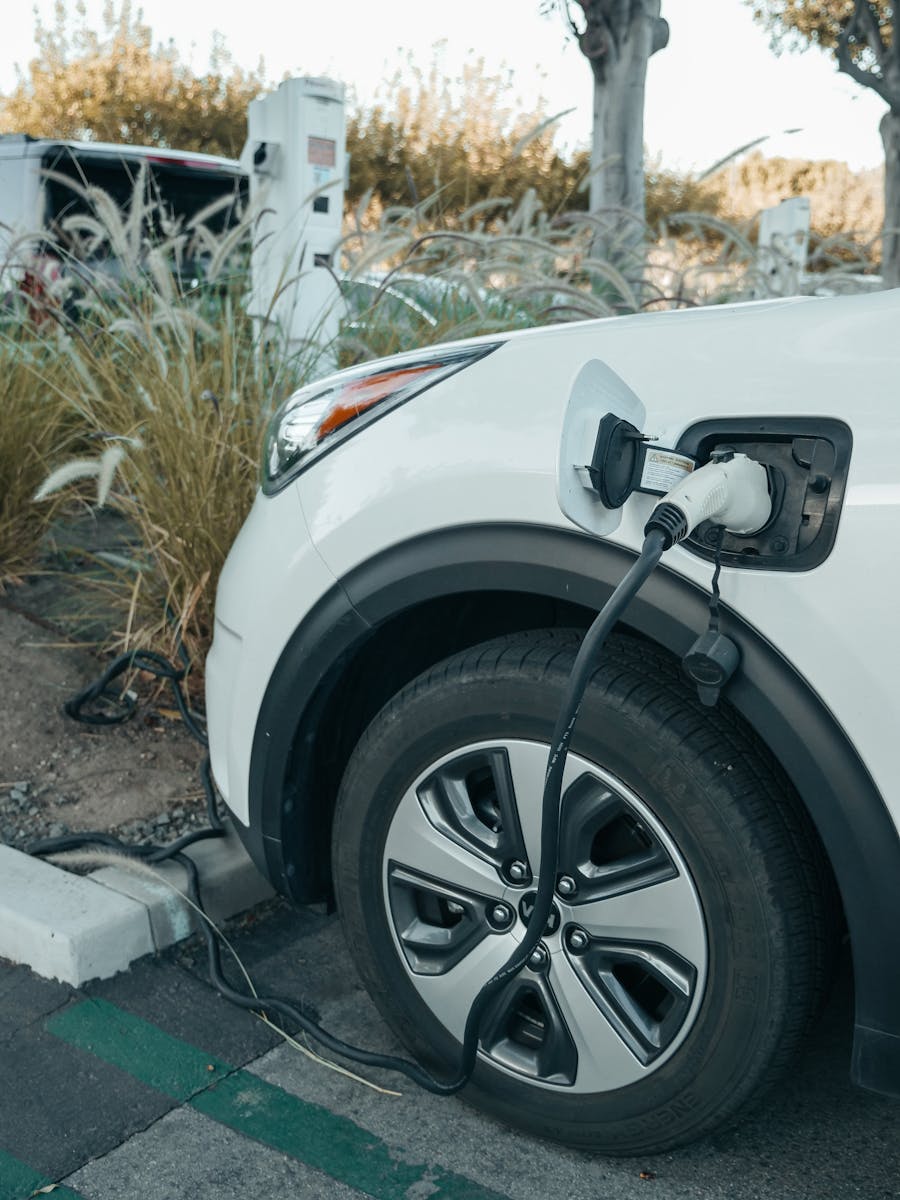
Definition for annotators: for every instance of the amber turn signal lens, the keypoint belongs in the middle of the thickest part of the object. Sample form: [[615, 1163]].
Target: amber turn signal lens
[[361, 394]]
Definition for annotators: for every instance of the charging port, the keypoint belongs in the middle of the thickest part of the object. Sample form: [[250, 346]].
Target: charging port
[[807, 461]]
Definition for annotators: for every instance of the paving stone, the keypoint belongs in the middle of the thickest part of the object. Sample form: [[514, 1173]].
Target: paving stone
[[25, 998], [186, 1155], [62, 1106], [185, 1006]]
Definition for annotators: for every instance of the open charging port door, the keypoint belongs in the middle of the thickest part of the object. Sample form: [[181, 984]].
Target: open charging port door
[[604, 456], [807, 459], [597, 390]]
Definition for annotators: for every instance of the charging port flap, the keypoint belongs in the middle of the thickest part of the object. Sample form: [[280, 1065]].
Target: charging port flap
[[596, 390]]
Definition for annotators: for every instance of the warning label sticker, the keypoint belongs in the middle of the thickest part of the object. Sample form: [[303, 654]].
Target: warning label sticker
[[321, 152], [663, 469]]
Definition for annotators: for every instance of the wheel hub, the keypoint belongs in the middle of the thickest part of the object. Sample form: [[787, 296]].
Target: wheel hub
[[526, 908]]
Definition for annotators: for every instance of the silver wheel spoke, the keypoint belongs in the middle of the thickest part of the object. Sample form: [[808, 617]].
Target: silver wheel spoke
[[528, 767], [666, 914], [414, 842], [604, 1061], [450, 996]]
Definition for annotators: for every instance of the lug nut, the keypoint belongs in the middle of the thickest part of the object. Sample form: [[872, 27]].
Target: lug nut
[[501, 916], [577, 940], [566, 886], [518, 872], [538, 958]]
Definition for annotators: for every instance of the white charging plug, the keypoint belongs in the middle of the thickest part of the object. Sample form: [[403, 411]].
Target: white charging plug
[[732, 491]]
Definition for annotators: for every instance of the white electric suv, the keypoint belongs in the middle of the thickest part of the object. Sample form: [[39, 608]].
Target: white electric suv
[[395, 627]]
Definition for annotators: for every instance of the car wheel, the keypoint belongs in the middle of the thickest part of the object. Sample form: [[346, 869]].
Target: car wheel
[[683, 958]]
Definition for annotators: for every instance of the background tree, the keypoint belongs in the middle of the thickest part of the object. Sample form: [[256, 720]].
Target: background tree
[[117, 86], [861, 35], [618, 38], [466, 138]]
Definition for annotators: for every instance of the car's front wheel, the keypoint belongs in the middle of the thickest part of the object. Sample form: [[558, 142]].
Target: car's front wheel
[[682, 959]]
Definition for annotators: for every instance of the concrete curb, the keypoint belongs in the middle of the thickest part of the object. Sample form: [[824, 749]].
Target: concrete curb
[[74, 928]]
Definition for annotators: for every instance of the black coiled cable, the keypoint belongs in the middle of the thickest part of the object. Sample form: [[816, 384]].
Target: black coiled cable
[[583, 668], [123, 704]]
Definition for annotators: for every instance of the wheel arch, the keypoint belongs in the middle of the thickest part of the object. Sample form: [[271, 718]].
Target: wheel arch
[[414, 604]]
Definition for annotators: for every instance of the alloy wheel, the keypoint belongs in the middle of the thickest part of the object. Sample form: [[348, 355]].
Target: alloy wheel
[[617, 980]]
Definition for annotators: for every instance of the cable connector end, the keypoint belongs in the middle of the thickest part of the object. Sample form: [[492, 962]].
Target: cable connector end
[[710, 663], [670, 521]]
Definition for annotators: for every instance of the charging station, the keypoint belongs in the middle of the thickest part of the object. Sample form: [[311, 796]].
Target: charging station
[[295, 158], [784, 245]]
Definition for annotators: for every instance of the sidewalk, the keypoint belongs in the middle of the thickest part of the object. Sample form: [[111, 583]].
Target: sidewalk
[[149, 1085]]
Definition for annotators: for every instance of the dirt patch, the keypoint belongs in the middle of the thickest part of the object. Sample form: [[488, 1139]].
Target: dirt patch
[[139, 779]]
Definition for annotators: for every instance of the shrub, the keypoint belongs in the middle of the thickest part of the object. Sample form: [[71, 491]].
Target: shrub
[[36, 426], [171, 389], [170, 385]]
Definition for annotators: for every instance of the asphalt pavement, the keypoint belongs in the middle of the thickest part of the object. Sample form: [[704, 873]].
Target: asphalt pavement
[[148, 1085]]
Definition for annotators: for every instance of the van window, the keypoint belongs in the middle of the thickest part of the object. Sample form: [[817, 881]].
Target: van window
[[184, 187]]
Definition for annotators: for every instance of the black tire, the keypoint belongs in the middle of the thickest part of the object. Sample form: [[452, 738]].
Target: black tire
[[710, 793]]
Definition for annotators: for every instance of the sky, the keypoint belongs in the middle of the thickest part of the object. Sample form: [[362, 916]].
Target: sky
[[714, 88]]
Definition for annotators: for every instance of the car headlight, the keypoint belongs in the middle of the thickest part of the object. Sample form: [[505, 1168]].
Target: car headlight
[[322, 415]]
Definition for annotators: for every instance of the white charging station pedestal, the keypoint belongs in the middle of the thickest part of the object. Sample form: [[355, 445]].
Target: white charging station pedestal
[[295, 157], [783, 245]]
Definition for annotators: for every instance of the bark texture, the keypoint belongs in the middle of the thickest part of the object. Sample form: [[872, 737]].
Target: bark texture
[[890, 242], [618, 38], [868, 50]]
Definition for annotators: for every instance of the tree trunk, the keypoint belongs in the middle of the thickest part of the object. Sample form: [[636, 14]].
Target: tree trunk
[[618, 40], [890, 243]]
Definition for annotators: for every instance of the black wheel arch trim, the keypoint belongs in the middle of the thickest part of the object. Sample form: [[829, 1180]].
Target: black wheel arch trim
[[837, 789]]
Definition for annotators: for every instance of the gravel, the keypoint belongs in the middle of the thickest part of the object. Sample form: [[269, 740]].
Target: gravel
[[22, 821], [139, 780]]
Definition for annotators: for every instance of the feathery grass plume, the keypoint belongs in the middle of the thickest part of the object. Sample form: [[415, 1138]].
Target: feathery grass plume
[[36, 425], [171, 373], [163, 364], [70, 472]]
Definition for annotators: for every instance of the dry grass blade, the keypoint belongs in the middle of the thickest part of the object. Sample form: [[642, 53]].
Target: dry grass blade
[[179, 383], [36, 425], [326, 1062], [534, 133]]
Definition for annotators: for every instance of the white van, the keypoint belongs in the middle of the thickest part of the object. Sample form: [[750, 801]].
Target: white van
[[34, 197]]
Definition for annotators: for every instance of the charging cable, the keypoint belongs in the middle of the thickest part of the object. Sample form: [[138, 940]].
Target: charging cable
[[732, 490]]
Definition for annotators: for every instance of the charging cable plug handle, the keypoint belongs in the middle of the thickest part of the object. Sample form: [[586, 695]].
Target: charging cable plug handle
[[732, 492]]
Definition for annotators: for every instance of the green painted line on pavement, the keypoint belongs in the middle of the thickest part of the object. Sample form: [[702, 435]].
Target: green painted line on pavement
[[251, 1106], [330, 1143], [162, 1062], [20, 1182]]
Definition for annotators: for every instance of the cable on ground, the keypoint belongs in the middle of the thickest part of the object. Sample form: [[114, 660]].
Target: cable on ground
[[583, 668]]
